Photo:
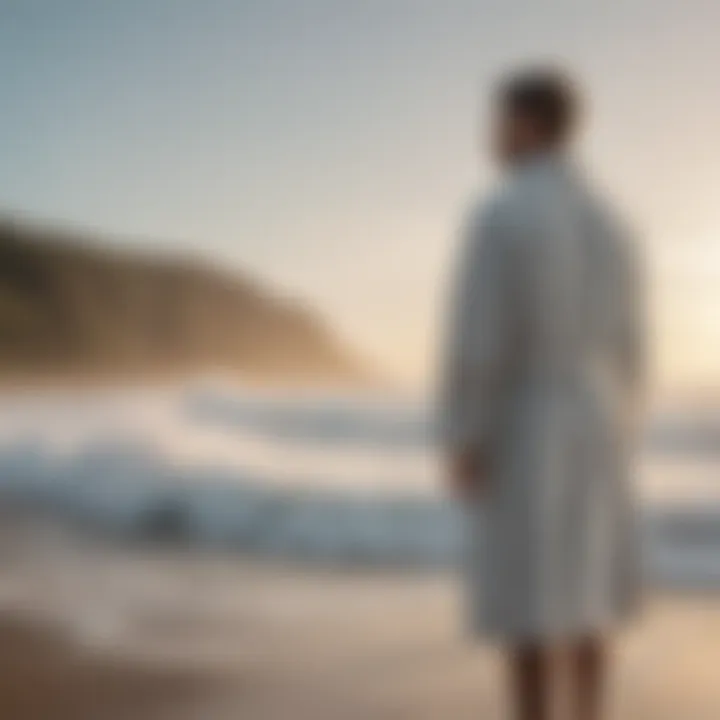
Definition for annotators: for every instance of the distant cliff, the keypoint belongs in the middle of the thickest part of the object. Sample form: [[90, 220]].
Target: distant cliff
[[71, 305]]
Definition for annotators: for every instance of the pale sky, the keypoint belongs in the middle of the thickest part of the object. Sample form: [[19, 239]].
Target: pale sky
[[330, 145]]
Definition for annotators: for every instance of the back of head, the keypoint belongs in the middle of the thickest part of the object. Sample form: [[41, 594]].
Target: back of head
[[537, 109]]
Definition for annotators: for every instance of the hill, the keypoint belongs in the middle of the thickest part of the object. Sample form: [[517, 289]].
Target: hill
[[68, 304]]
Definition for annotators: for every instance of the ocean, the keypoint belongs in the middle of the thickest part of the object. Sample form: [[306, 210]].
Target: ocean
[[341, 478]]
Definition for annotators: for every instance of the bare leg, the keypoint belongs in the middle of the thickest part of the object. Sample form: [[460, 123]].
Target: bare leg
[[588, 668], [532, 669]]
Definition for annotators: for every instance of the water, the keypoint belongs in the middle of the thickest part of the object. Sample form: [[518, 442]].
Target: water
[[337, 477]]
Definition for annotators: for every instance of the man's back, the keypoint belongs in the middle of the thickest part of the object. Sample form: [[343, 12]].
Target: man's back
[[570, 279]]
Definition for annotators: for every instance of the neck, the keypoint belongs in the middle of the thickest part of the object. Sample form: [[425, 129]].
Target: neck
[[537, 157], [539, 154]]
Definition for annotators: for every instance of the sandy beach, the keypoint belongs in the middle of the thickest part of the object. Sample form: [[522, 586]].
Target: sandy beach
[[91, 630], [44, 674]]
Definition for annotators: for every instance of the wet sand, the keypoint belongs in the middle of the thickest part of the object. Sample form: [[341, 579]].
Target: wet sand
[[44, 676], [99, 632]]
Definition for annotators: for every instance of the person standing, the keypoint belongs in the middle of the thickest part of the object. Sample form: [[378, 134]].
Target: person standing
[[541, 404]]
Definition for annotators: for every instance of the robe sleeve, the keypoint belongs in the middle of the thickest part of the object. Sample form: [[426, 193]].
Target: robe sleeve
[[477, 336]]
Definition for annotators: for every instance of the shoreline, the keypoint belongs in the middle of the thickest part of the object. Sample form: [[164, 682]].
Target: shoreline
[[112, 633], [112, 630]]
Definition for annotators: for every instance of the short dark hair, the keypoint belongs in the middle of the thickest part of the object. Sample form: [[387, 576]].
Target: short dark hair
[[547, 96]]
